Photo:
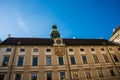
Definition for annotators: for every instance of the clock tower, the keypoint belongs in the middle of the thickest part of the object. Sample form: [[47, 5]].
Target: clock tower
[[54, 33]]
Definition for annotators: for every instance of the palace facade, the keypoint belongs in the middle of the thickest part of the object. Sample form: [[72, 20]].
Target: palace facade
[[59, 58]]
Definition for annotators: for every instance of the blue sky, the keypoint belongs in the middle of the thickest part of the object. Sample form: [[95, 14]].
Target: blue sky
[[74, 18]]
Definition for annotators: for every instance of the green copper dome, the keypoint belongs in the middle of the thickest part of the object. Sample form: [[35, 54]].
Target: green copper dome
[[54, 33]]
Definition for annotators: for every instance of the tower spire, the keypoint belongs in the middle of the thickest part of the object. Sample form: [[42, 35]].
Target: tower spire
[[54, 33]]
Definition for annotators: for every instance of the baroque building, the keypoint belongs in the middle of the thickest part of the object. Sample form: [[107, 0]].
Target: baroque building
[[116, 35], [59, 58]]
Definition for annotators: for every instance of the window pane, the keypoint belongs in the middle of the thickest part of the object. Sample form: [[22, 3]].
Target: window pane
[[72, 60], [106, 58], [34, 76], [18, 77], [100, 72], [88, 74], [35, 50], [8, 50], [49, 75], [35, 61], [84, 59], [48, 61], [81, 49], [115, 58], [75, 74], [48, 50], [102, 49], [5, 61], [22, 50], [92, 49], [95, 59], [71, 50], [62, 75], [112, 72], [20, 61], [2, 76], [60, 60]]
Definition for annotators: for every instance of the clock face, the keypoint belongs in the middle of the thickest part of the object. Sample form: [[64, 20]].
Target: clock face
[[58, 41]]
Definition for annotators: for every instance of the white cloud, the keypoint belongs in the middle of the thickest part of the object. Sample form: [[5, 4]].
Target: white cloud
[[21, 24]]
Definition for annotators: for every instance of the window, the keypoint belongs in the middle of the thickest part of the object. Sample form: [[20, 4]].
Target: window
[[92, 49], [8, 50], [110, 49], [61, 62], [2, 76], [70, 50], [106, 58], [84, 59], [72, 60], [95, 59], [49, 75], [112, 72], [35, 50], [35, 61], [18, 76], [100, 72], [82, 49], [118, 49], [5, 61], [48, 50], [48, 61], [22, 50], [115, 58], [62, 75], [102, 49], [34, 76], [74, 74], [20, 61], [88, 74]]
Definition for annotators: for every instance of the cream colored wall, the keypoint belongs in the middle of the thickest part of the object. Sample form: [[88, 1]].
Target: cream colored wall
[[27, 68]]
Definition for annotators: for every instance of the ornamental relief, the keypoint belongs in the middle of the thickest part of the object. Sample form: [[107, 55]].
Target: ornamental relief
[[59, 51]]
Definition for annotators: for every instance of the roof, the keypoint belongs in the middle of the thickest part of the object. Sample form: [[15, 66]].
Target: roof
[[49, 42], [116, 30]]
